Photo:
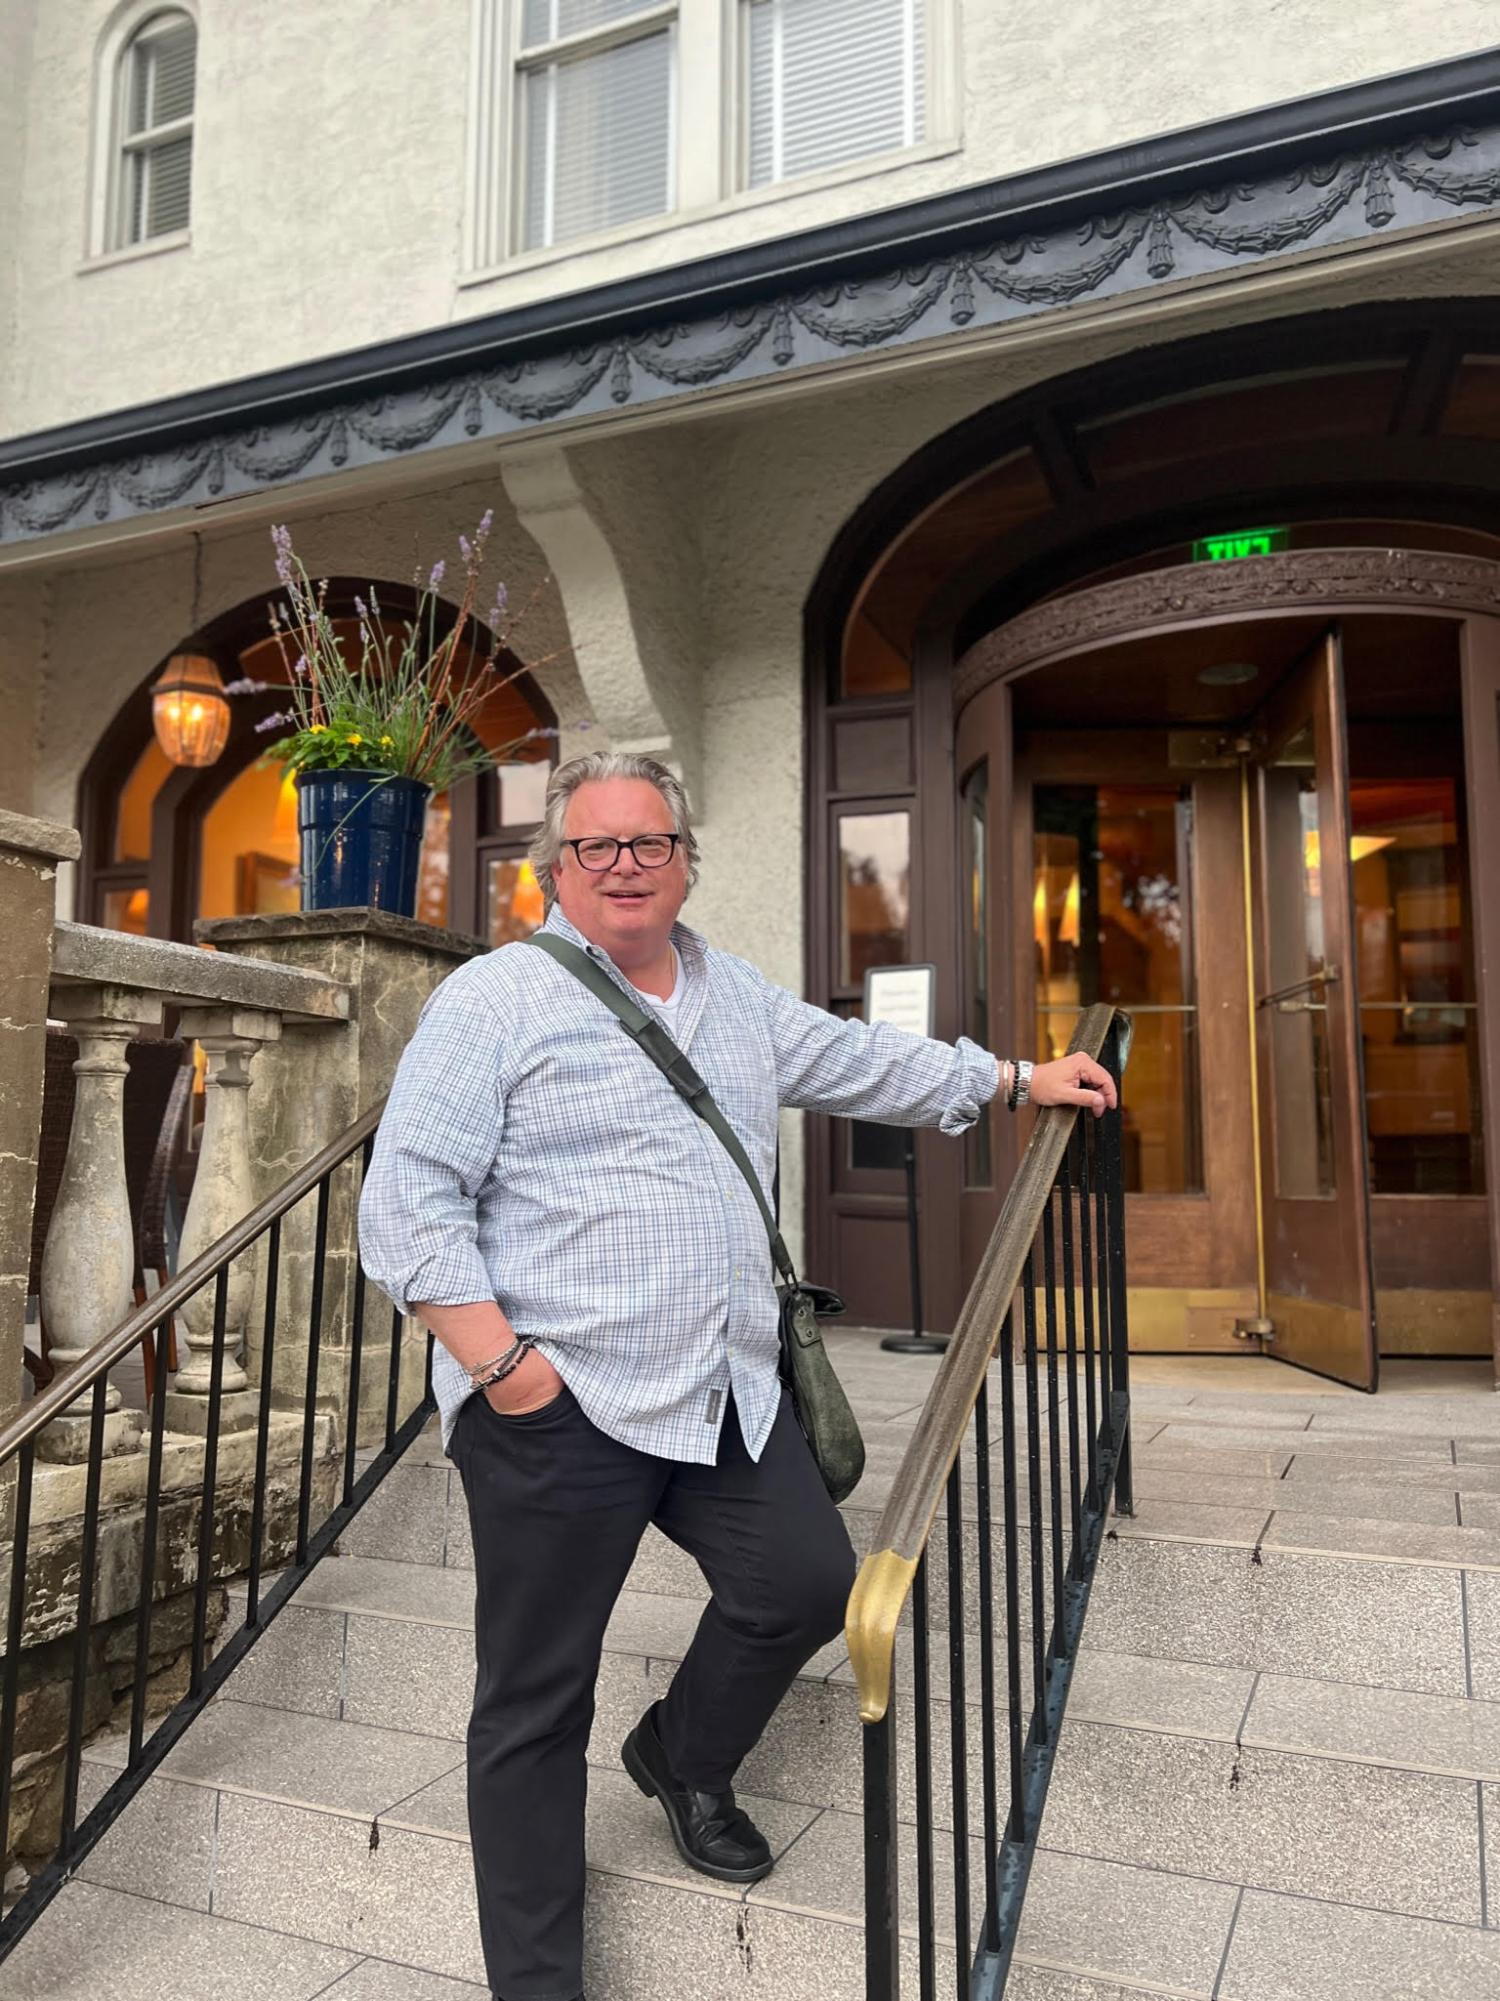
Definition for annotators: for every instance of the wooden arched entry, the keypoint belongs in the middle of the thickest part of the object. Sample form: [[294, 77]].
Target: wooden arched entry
[[1362, 430], [1180, 758], [142, 823]]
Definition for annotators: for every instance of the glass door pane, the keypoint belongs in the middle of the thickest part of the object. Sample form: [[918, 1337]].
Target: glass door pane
[[1112, 921], [874, 893], [1418, 1014], [1296, 962]]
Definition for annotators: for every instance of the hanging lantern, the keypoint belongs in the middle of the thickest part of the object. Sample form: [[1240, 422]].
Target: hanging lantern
[[189, 710]]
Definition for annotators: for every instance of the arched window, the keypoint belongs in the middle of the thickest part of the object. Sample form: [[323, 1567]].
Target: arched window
[[165, 845], [151, 147]]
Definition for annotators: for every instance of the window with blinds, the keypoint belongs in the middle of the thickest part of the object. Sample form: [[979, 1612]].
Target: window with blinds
[[596, 105], [155, 150], [829, 81]]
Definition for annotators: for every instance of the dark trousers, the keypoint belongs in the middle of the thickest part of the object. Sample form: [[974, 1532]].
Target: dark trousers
[[558, 1511]]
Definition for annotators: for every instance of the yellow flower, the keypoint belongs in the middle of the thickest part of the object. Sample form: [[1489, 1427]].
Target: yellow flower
[[319, 729], [386, 742], [354, 737]]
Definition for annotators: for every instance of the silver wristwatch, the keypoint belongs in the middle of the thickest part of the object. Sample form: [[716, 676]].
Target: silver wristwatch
[[1023, 1083]]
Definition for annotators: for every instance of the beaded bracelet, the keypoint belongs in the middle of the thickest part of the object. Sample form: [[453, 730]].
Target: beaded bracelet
[[481, 1368], [505, 1367], [485, 1373]]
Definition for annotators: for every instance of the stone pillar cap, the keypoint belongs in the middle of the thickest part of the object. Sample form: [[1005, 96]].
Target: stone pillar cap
[[86, 955], [47, 839], [355, 922]]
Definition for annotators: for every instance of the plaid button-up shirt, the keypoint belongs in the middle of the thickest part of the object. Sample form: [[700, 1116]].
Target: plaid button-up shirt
[[531, 1153]]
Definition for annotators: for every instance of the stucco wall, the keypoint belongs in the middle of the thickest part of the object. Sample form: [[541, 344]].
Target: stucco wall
[[330, 168], [17, 19]]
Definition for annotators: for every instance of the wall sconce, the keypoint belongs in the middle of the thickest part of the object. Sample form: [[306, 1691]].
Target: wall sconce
[[189, 710]]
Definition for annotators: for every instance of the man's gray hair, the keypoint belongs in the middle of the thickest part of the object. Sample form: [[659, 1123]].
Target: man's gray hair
[[591, 770]]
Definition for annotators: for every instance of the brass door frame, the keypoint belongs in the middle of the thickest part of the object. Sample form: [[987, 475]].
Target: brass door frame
[[1479, 665]]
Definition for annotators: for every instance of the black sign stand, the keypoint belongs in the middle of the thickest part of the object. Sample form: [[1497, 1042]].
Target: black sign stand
[[905, 997], [915, 1343]]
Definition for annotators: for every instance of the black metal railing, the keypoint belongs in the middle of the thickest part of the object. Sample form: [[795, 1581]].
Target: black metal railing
[[287, 1530], [1043, 1332]]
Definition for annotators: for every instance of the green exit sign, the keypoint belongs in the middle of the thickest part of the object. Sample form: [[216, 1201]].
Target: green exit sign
[[1243, 542]]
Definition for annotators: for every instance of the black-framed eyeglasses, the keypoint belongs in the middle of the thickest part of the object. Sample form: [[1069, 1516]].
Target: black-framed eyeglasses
[[598, 852]]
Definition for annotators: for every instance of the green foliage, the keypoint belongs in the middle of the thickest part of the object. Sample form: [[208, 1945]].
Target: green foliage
[[407, 706]]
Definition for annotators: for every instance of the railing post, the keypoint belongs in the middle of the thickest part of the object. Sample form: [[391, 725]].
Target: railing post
[[1119, 1325], [223, 1192], [89, 1261], [882, 1859]]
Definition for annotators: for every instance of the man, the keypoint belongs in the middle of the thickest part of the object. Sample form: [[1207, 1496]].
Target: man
[[596, 1272]]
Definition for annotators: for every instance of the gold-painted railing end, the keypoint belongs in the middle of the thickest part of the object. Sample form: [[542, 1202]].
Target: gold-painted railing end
[[880, 1590]]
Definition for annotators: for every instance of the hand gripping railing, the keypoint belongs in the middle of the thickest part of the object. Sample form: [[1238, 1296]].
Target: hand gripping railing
[[1067, 1202], [293, 1534]]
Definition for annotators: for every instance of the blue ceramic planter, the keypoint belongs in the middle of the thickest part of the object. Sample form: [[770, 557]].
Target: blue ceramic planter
[[361, 837]]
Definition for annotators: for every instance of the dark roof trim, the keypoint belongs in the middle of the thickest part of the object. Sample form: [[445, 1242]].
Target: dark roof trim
[[1354, 116]]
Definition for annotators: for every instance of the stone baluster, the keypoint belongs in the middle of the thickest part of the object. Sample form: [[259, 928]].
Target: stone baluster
[[223, 1193], [89, 1260]]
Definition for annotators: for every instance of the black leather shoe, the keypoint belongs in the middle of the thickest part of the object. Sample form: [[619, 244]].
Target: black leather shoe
[[712, 1834]]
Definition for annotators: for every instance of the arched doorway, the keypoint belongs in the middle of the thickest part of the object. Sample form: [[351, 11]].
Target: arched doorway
[[165, 846], [1306, 1147], [935, 722]]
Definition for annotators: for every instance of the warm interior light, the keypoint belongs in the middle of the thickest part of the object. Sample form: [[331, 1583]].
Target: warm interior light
[[1039, 911], [1369, 844], [284, 822], [1360, 845], [1067, 931], [527, 904], [190, 711]]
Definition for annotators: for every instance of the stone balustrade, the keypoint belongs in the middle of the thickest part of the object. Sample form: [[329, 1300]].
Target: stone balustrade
[[108, 987], [391, 964], [300, 1021]]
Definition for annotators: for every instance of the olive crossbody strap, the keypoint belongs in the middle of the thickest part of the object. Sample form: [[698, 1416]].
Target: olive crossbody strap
[[674, 1066]]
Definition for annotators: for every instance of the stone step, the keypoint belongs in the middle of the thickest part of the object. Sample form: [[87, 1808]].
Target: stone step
[[1406, 1842], [265, 1819], [304, 1907], [1264, 1741]]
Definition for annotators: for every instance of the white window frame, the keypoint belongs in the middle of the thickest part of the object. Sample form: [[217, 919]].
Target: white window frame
[[650, 21], [710, 144], [938, 30], [106, 240], [499, 66]]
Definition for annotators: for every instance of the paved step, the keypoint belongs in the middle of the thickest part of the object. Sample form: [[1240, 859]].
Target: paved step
[[1270, 1785]]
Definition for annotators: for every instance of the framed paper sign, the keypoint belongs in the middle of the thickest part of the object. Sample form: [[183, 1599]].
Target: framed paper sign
[[904, 996]]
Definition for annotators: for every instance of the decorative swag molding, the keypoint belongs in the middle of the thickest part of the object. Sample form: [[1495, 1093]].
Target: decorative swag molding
[[1354, 196]]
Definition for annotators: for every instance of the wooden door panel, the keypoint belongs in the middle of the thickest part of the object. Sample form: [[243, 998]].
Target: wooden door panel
[[1319, 1284]]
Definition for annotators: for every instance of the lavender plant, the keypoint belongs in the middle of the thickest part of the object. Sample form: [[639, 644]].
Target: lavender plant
[[408, 705]]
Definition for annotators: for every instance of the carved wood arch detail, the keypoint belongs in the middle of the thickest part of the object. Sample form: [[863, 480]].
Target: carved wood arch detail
[[1421, 580]]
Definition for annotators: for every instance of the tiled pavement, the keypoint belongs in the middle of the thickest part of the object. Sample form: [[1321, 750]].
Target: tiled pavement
[[1279, 1780]]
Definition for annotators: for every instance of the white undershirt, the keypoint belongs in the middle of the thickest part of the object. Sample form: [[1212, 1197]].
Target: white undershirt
[[669, 1008]]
